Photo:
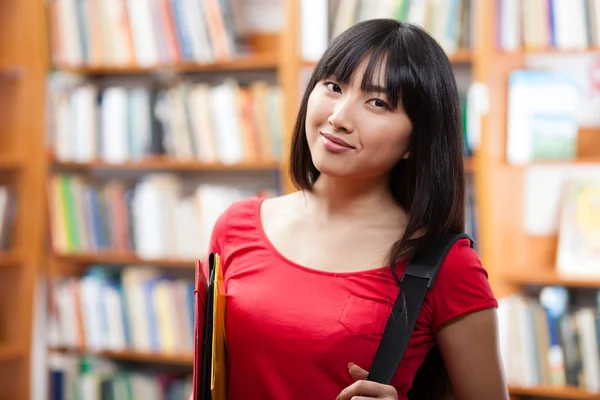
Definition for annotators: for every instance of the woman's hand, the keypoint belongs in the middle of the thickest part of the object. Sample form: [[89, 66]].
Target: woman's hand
[[365, 390]]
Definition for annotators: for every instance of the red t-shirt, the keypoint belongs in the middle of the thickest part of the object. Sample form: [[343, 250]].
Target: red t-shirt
[[291, 330]]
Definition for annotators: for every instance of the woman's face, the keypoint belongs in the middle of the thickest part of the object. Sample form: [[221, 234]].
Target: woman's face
[[351, 132]]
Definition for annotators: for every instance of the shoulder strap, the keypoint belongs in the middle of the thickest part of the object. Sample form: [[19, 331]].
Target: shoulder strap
[[418, 277]]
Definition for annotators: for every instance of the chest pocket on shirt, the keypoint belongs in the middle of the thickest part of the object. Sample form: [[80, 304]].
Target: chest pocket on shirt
[[364, 317]]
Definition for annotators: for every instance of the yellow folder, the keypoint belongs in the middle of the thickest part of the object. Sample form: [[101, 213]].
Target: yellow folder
[[218, 385], [210, 358]]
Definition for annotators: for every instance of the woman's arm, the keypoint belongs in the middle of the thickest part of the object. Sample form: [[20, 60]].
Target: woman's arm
[[470, 348]]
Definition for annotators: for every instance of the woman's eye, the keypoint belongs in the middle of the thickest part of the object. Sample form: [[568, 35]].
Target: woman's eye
[[379, 103], [333, 87]]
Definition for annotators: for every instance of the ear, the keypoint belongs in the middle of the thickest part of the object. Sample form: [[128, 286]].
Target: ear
[[405, 156]]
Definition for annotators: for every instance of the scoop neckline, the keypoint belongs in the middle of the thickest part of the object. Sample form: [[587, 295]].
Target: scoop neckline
[[278, 254]]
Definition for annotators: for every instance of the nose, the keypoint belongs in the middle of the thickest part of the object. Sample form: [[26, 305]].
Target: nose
[[341, 117]]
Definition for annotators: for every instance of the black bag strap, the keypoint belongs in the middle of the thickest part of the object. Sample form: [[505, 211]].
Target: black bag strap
[[418, 277]]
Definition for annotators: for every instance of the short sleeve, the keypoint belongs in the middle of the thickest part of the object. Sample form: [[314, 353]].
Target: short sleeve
[[217, 236], [216, 242], [461, 286]]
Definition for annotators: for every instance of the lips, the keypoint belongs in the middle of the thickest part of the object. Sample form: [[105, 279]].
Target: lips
[[337, 140]]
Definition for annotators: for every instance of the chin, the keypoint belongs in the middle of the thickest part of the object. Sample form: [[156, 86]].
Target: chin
[[333, 166]]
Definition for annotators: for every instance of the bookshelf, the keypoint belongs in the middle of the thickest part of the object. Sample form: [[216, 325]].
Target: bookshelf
[[514, 259], [522, 260], [168, 276]]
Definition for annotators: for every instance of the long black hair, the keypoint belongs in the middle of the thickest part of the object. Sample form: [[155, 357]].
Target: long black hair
[[429, 185]]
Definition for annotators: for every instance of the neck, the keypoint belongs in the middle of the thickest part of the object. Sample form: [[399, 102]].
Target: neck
[[339, 198]]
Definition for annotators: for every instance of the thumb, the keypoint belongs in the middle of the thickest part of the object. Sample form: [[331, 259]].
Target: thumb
[[357, 372]]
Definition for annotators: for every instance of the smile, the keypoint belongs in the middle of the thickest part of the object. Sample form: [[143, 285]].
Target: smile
[[335, 144]]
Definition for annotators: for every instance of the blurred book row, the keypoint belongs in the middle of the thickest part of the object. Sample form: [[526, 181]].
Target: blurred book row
[[449, 21], [8, 211], [545, 24], [549, 342], [135, 308], [91, 378], [157, 216], [211, 123], [142, 32]]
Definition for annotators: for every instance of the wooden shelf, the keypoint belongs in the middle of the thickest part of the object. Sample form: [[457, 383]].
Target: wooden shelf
[[120, 258], [579, 160], [553, 392], [9, 352], [160, 163], [550, 278], [9, 163], [11, 72], [241, 63], [549, 51], [461, 56], [9, 259], [132, 355]]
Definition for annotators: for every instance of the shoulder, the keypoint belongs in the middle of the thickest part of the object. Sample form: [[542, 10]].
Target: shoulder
[[461, 285], [241, 217], [461, 263], [240, 210], [232, 217], [461, 259]]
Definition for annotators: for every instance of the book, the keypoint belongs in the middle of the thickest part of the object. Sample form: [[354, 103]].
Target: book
[[578, 250]]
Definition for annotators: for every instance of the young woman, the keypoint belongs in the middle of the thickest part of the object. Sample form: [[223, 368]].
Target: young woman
[[377, 154]]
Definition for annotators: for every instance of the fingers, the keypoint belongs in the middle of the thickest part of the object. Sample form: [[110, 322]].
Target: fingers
[[369, 390], [357, 372]]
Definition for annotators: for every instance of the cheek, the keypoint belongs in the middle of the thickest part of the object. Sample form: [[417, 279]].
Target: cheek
[[387, 140], [317, 113]]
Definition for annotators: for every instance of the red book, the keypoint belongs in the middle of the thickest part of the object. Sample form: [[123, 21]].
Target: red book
[[200, 296]]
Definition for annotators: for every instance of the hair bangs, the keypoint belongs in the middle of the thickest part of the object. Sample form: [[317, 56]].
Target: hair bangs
[[385, 53]]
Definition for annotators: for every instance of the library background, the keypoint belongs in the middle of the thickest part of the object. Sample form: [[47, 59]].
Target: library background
[[119, 147]]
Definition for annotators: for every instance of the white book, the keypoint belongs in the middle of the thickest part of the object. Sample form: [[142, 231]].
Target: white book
[[314, 26], [114, 116], [142, 32], [137, 311], [589, 349], [116, 339], [201, 123], [226, 122]]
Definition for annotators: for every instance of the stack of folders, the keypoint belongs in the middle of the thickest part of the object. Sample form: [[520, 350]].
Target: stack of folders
[[210, 358]]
